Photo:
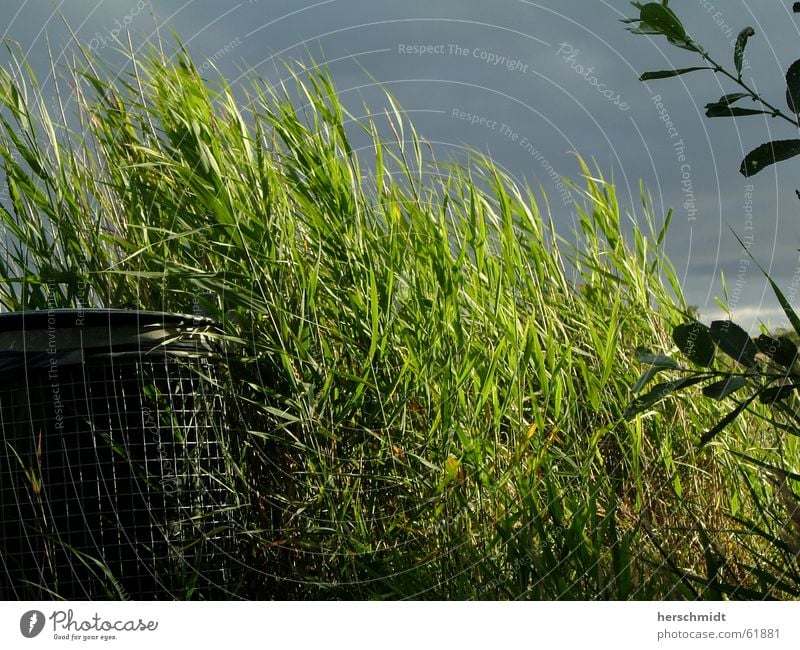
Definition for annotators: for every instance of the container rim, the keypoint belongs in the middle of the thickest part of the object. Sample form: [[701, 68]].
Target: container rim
[[98, 317]]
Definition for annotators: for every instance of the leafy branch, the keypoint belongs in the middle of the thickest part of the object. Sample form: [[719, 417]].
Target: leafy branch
[[658, 19], [770, 367]]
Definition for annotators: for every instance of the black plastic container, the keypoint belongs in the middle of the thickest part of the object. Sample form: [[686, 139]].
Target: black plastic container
[[115, 473]]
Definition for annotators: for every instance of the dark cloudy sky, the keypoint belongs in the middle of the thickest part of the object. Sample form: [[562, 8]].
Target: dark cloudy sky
[[529, 83]]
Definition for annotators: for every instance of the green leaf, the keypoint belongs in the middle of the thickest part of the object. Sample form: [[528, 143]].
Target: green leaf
[[768, 154], [657, 393], [724, 422], [665, 74], [776, 394], [721, 389], [724, 110], [781, 350], [738, 50], [694, 340], [663, 20], [793, 87], [645, 378], [767, 466], [644, 355], [642, 29], [734, 342], [655, 18], [727, 100]]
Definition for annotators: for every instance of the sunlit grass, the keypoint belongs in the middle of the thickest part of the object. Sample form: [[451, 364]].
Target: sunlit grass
[[432, 379]]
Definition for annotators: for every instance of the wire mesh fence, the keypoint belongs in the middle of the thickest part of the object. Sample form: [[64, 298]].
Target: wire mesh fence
[[116, 460]]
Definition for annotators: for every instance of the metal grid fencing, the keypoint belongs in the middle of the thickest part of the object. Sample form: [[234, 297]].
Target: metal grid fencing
[[116, 474]]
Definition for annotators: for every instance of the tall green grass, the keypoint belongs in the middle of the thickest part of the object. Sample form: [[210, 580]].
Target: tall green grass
[[432, 378]]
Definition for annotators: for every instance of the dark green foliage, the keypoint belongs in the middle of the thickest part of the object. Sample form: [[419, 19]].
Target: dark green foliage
[[724, 422], [781, 350], [793, 87], [723, 110], [721, 389], [777, 394], [643, 355], [723, 107], [769, 363], [768, 154], [769, 379], [770, 374], [666, 74], [657, 18], [700, 345], [734, 342], [738, 51], [729, 99], [657, 393], [695, 341]]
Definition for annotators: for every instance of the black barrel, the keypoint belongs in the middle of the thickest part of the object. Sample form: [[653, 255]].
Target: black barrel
[[116, 475]]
